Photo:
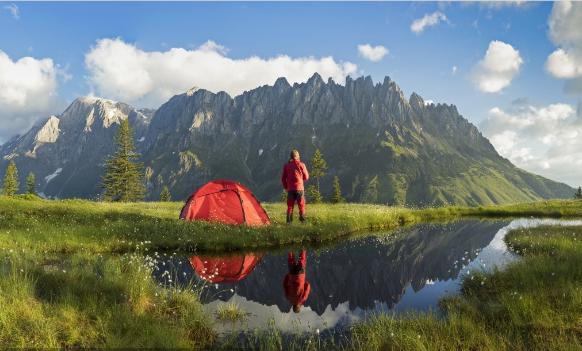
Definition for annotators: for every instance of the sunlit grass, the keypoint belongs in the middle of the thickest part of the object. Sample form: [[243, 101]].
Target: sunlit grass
[[230, 312], [84, 226]]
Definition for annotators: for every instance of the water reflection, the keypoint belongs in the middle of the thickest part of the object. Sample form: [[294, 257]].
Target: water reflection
[[224, 269], [296, 286], [409, 271]]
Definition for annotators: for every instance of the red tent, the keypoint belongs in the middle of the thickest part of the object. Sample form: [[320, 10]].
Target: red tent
[[226, 202], [224, 269]]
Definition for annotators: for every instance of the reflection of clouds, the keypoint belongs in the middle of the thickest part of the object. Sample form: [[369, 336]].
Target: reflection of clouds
[[305, 321]]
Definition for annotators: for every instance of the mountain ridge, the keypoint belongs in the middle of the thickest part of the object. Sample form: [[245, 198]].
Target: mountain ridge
[[384, 147]]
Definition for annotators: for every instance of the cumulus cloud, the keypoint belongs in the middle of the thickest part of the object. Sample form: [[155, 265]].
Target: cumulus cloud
[[372, 53], [566, 62], [498, 68], [546, 140], [14, 10], [27, 92], [418, 26], [122, 71], [454, 70]]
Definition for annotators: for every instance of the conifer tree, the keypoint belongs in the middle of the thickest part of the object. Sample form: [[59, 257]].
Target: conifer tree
[[578, 194], [11, 184], [337, 191], [123, 179], [313, 194], [165, 195], [31, 184], [318, 167]]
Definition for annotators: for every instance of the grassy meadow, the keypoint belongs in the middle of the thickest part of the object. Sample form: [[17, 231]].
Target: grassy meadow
[[77, 273], [68, 226]]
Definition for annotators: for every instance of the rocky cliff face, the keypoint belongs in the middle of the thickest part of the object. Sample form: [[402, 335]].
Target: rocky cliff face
[[384, 147], [67, 152]]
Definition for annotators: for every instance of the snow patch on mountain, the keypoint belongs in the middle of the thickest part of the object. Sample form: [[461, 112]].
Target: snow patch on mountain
[[52, 176]]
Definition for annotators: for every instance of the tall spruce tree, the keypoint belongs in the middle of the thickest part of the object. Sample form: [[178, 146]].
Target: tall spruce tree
[[31, 184], [578, 194], [337, 191], [318, 167], [165, 195], [124, 179], [11, 184]]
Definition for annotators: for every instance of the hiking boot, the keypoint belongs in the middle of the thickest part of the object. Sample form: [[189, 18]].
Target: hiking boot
[[302, 218], [289, 218]]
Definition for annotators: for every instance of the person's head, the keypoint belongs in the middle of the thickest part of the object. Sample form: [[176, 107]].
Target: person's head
[[294, 154], [297, 308]]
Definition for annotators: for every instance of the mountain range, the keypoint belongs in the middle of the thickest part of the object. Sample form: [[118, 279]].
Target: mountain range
[[384, 147]]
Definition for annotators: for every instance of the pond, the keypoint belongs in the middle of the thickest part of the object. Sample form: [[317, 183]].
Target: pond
[[408, 270]]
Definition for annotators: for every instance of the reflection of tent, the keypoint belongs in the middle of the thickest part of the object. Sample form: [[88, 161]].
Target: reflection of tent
[[228, 269], [224, 201]]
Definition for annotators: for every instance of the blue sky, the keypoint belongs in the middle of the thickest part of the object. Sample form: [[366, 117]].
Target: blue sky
[[421, 62]]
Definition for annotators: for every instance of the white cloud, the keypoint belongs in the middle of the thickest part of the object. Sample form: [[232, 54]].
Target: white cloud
[[454, 70], [546, 140], [122, 71], [502, 4], [372, 53], [428, 20], [498, 68], [27, 91], [14, 10], [566, 62]]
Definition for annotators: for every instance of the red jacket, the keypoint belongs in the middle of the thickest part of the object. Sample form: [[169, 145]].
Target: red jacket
[[294, 174], [296, 288]]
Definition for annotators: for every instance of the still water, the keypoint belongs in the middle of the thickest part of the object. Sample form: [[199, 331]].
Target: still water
[[409, 270]]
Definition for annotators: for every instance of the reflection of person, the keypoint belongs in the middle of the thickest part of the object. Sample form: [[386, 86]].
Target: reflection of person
[[296, 288], [294, 174]]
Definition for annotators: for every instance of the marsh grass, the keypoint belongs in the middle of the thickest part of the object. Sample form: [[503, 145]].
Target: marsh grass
[[230, 312]]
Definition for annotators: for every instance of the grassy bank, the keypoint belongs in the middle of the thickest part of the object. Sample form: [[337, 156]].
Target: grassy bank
[[88, 301], [78, 225], [534, 304]]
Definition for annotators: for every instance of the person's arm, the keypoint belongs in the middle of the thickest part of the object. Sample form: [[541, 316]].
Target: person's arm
[[304, 171], [284, 178], [306, 291]]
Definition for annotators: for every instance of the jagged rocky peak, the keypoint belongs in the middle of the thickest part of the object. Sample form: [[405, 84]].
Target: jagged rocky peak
[[191, 91], [281, 84], [49, 132], [416, 101]]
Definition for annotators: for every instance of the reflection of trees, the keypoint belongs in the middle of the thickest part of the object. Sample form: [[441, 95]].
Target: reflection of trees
[[367, 271]]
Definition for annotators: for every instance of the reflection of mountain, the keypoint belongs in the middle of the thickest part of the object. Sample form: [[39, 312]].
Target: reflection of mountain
[[368, 271]]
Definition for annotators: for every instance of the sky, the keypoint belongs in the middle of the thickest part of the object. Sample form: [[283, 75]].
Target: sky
[[513, 69]]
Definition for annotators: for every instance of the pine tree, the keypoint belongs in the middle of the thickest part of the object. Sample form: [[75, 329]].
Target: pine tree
[[337, 191], [165, 195], [31, 184], [371, 193], [313, 194], [123, 179], [11, 185], [318, 168], [578, 194]]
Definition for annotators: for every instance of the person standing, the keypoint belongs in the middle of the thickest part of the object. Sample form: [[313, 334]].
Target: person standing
[[294, 175], [295, 285]]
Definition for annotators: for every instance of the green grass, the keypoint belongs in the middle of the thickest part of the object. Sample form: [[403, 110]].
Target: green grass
[[534, 304], [89, 301], [95, 297], [230, 312], [69, 226]]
